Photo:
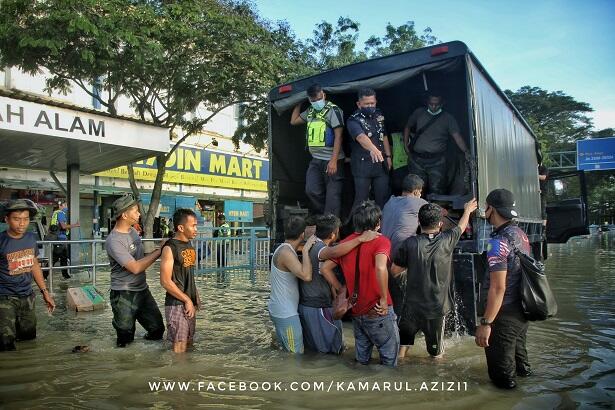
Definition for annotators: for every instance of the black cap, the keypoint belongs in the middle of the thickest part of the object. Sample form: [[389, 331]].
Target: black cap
[[21, 205], [504, 202]]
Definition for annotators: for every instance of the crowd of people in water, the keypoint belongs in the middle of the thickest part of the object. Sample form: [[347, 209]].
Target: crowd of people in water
[[395, 267], [397, 262], [403, 241], [389, 312]]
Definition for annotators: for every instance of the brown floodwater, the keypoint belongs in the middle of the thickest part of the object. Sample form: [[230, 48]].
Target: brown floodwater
[[234, 364]]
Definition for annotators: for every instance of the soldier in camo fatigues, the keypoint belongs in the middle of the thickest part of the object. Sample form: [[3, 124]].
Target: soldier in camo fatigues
[[18, 266]]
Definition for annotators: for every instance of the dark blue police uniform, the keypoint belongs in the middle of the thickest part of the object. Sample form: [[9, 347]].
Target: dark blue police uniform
[[368, 174]]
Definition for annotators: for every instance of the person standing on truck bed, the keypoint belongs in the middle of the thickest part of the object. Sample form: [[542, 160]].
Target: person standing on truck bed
[[371, 153], [426, 137], [325, 175]]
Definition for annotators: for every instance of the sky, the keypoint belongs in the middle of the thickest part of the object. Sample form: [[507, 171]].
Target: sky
[[566, 45]]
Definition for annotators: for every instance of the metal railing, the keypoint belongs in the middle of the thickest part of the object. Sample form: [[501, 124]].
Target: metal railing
[[246, 249], [562, 159]]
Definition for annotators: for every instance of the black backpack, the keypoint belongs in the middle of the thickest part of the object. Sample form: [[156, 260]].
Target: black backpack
[[536, 295]]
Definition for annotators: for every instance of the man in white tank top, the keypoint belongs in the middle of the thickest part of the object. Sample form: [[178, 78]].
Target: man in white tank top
[[286, 269]]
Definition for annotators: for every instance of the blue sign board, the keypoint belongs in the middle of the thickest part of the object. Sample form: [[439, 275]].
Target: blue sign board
[[238, 211], [183, 201], [596, 154], [168, 203]]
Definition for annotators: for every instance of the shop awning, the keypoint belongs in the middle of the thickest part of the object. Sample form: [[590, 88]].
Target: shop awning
[[42, 133]]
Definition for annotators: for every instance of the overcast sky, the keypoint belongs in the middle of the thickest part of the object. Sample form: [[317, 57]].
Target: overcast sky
[[565, 45]]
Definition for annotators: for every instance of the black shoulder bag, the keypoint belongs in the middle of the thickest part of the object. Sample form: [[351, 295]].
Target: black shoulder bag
[[420, 132], [536, 295]]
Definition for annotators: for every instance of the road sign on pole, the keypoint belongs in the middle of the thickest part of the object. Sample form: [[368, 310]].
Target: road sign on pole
[[596, 154]]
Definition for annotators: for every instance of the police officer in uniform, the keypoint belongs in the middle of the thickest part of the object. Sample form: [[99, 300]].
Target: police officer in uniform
[[325, 175], [371, 153]]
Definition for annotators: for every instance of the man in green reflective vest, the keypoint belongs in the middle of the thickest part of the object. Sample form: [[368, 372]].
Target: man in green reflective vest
[[325, 175]]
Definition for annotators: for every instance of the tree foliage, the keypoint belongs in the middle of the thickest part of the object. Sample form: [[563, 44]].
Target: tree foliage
[[333, 46], [601, 196], [167, 57], [604, 133], [399, 39], [558, 120], [330, 46], [170, 57]]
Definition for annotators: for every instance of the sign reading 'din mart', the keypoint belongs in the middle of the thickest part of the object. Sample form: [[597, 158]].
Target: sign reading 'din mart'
[[195, 166]]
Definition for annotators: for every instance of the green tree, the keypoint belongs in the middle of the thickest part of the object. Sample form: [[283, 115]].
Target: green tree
[[333, 47], [601, 196], [330, 46], [399, 39], [604, 133], [168, 57], [558, 120]]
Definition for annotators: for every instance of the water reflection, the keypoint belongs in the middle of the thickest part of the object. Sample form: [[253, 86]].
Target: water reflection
[[572, 355]]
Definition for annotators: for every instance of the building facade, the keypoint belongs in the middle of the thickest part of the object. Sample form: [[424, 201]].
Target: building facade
[[206, 172]]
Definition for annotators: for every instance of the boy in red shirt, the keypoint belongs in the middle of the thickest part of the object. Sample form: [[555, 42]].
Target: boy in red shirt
[[374, 321]]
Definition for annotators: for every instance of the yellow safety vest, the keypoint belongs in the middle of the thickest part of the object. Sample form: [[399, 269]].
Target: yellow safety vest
[[317, 126], [54, 217], [400, 158]]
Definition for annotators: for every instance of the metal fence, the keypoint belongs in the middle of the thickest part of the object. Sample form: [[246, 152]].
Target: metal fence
[[245, 250]]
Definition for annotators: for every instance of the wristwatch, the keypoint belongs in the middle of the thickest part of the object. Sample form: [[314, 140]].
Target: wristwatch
[[485, 322]]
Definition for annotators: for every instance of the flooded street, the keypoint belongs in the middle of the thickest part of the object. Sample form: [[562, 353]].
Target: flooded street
[[573, 356]]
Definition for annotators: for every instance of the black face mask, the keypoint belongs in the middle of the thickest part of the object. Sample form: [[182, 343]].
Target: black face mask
[[488, 218], [368, 111]]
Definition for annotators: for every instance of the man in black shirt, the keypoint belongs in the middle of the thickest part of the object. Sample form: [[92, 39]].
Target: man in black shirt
[[426, 137], [428, 258], [321, 333], [177, 266]]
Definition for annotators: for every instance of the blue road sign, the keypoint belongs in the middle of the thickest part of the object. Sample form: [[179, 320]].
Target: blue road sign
[[596, 154]]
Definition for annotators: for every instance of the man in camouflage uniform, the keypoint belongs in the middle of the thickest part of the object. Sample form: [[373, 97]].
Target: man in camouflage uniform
[[18, 266], [130, 298]]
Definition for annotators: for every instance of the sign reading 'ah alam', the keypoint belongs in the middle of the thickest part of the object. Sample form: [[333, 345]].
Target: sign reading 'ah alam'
[[47, 121], [195, 166]]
